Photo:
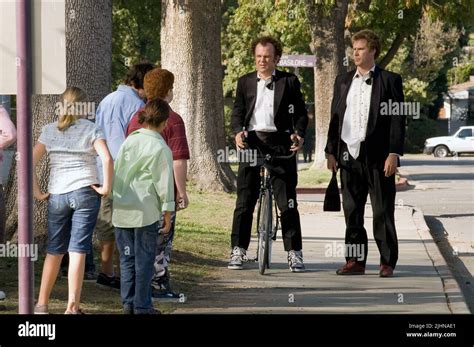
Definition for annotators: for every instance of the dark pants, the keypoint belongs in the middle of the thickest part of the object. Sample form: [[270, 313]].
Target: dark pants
[[357, 181], [137, 253], [284, 189]]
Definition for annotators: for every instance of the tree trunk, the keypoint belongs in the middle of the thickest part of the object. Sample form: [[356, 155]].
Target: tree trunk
[[396, 44], [327, 33], [88, 66], [89, 46], [191, 50]]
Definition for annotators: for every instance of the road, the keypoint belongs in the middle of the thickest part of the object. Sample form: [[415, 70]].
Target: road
[[443, 188]]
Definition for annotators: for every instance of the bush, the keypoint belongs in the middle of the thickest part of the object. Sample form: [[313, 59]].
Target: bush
[[417, 132], [461, 73]]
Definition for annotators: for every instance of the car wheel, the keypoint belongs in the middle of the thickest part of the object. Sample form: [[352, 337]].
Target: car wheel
[[441, 151]]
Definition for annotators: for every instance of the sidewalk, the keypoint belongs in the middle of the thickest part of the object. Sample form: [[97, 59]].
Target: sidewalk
[[422, 282]]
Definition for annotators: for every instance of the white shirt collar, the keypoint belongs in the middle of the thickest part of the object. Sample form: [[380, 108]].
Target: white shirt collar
[[357, 73], [260, 78]]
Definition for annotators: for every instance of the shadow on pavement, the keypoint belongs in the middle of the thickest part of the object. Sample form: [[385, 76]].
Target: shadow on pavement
[[456, 265]]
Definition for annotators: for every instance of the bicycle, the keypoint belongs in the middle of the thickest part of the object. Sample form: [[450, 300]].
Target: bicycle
[[266, 232]]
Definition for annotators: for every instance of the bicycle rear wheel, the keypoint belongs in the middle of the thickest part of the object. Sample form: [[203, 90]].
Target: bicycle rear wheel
[[264, 230]]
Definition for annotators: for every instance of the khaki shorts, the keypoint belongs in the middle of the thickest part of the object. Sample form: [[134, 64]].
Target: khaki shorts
[[104, 228]]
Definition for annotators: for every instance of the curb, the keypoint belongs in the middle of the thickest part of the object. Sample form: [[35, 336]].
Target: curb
[[452, 291], [308, 190], [401, 185]]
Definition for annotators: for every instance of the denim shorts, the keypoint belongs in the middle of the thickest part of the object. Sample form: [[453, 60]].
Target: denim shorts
[[71, 220]]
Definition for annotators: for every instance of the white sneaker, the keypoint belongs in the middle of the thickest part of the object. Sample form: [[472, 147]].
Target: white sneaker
[[237, 257], [295, 261]]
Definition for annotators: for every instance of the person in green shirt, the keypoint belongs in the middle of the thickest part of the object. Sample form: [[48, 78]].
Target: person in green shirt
[[143, 189]]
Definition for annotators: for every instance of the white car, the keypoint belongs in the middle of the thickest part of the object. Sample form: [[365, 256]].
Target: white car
[[461, 142]]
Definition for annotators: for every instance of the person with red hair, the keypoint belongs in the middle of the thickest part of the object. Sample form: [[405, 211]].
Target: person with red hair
[[158, 84]]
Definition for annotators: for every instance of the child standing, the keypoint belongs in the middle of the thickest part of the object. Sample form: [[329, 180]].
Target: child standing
[[158, 84], [73, 195], [143, 191]]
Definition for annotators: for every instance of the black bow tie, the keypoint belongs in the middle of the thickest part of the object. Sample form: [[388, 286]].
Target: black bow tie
[[369, 80], [269, 85]]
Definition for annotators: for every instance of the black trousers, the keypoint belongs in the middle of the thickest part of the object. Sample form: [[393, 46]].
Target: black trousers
[[284, 189], [357, 181]]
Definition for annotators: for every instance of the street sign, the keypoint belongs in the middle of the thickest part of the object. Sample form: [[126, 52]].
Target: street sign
[[49, 47], [299, 60]]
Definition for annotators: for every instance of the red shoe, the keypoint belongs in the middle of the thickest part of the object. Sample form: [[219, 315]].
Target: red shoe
[[386, 271], [351, 268]]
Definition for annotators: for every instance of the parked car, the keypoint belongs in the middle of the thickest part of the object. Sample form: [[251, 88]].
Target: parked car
[[442, 146]]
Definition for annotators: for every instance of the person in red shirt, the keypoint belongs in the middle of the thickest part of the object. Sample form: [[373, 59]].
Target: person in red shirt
[[158, 84]]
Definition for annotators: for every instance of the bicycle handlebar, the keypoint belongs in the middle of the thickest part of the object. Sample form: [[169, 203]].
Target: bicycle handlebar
[[295, 143], [267, 158]]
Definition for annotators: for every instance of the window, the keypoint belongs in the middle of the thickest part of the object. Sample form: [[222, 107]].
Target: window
[[465, 133]]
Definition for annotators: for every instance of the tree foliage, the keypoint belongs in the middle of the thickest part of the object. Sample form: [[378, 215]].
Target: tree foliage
[[136, 35], [424, 57]]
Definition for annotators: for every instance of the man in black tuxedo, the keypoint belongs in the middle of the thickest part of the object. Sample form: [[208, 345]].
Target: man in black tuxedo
[[365, 144], [270, 114]]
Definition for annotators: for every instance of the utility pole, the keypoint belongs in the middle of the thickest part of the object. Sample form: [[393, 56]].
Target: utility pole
[[24, 155]]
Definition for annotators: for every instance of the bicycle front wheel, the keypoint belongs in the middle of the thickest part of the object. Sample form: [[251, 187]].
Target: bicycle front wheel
[[264, 231]]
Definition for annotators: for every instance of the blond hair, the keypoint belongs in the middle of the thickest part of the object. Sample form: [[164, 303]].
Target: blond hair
[[68, 115]]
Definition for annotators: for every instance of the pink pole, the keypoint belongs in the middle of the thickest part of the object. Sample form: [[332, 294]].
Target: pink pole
[[24, 156]]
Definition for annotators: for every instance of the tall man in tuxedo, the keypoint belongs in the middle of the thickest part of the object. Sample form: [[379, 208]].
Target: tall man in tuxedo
[[269, 112], [365, 144]]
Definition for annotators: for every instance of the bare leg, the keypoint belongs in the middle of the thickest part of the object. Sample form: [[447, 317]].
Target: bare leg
[[77, 263], [107, 257], [50, 273]]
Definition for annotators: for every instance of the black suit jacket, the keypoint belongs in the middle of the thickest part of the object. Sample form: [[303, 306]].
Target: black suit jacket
[[385, 133], [289, 107]]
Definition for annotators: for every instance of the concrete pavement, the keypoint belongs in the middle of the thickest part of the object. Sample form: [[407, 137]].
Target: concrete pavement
[[422, 282], [443, 188]]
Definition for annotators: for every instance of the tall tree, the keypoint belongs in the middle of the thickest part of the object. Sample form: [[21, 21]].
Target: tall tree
[[88, 66], [191, 49], [327, 23]]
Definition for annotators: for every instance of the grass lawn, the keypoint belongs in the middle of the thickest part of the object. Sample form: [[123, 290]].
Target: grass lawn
[[309, 178], [201, 243]]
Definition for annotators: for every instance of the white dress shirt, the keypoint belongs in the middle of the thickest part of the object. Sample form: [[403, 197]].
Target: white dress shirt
[[356, 117], [263, 118]]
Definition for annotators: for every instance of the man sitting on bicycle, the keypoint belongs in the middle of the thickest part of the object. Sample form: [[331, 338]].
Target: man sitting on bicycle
[[268, 115]]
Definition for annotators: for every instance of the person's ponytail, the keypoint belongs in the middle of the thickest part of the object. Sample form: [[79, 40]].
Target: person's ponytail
[[69, 110]]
